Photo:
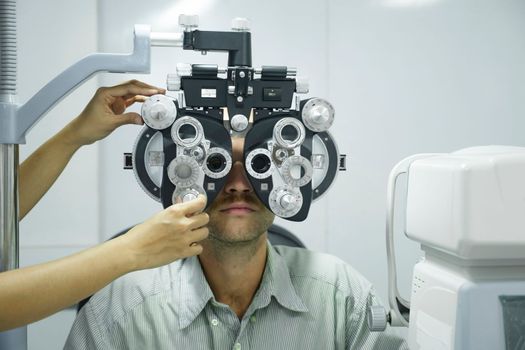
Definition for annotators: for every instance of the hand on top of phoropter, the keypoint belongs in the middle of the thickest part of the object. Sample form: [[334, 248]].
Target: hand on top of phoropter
[[105, 112]]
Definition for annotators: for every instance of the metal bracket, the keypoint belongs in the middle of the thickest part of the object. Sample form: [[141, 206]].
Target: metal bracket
[[16, 121]]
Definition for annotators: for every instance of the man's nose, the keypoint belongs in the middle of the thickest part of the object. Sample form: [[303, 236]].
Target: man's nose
[[237, 180]]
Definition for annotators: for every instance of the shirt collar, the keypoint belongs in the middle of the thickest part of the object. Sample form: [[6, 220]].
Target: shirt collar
[[276, 283], [195, 292]]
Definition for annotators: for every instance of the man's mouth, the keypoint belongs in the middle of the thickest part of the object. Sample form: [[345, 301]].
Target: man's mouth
[[238, 209]]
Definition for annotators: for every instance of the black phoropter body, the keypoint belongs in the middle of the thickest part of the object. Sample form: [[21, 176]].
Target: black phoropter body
[[185, 147]]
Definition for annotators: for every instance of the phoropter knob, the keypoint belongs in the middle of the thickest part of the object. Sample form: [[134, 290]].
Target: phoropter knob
[[318, 114], [173, 82], [159, 112], [239, 122], [302, 85], [240, 24], [186, 194], [377, 318], [189, 197], [285, 201], [189, 22], [183, 69]]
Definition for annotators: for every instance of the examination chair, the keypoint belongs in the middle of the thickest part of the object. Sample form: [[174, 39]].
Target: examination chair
[[277, 235]]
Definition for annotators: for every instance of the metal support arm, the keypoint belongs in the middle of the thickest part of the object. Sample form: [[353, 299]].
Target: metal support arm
[[15, 122]]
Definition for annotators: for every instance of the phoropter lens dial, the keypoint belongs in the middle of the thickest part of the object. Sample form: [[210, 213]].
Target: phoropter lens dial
[[297, 171], [218, 163], [285, 201], [186, 194], [187, 132], [259, 163], [183, 171], [289, 133]]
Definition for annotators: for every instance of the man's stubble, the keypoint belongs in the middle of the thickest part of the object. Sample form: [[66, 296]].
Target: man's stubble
[[239, 234]]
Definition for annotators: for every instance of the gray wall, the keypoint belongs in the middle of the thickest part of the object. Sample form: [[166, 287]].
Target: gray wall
[[52, 35], [405, 77]]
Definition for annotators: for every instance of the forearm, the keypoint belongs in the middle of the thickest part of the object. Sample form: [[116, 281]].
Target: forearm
[[32, 293], [42, 168]]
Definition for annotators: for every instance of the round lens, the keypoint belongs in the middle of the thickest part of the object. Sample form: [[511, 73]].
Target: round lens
[[216, 162], [187, 132], [183, 171], [261, 163], [289, 133]]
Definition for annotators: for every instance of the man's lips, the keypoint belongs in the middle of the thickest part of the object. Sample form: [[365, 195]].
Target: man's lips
[[238, 208]]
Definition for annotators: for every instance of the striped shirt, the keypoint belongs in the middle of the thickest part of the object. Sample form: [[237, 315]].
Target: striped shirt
[[306, 300]]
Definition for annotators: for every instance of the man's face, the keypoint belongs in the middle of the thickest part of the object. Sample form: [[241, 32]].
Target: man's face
[[237, 215]]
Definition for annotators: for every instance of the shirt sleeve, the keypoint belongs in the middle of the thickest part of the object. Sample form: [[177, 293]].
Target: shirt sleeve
[[358, 334], [86, 333]]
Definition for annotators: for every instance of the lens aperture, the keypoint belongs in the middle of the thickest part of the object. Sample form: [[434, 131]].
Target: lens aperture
[[261, 163], [216, 162]]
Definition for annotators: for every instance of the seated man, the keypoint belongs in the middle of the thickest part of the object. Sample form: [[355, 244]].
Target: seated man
[[239, 293]]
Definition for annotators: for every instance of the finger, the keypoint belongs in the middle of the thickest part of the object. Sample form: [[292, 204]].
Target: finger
[[145, 85], [194, 249], [137, 83], [193, 206], [197, 235], [198, 220], [131, 100], [131, 90], [128, 118], [141, 84]]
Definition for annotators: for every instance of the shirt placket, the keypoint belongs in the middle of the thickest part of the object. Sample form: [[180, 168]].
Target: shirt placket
[[224, 325], [242, 342]]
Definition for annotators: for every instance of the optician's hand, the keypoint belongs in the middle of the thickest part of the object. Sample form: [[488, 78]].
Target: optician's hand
[[105, 112], [170, 235]]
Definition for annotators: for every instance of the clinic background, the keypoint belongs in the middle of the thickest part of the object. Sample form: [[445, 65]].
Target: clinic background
[[405, 77]]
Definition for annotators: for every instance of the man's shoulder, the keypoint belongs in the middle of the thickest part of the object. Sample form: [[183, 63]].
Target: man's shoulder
[[321, 268], [130, 291]]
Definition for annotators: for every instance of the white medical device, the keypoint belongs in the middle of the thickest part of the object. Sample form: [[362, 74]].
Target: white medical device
[[467, 209]]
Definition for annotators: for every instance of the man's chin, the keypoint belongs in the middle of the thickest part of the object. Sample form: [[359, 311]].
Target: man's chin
[[236, 229]]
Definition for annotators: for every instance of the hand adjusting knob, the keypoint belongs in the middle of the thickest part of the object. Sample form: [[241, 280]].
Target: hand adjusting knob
[[159, 112]]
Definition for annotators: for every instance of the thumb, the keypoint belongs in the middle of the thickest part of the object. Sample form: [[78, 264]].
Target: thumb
[[129, 118]]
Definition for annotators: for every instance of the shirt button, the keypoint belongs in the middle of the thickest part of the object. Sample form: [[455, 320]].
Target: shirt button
[[237, 346], [252, 319], [214, 322]]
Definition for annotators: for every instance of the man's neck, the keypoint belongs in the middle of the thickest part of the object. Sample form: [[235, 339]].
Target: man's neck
[[234, 271]]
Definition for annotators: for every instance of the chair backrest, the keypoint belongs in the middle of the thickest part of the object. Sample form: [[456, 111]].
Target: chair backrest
[[277, 235]]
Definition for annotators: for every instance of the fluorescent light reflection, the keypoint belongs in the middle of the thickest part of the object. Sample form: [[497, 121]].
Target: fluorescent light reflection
[[409, 3]]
